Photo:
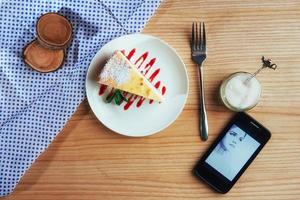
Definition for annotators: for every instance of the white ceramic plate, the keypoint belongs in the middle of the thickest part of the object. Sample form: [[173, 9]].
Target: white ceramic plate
[[146, 119]]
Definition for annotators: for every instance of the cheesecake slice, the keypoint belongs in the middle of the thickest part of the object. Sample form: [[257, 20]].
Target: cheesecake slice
[[120, 73]]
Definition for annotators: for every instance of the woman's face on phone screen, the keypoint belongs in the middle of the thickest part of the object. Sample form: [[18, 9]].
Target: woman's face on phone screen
[[233, 138]]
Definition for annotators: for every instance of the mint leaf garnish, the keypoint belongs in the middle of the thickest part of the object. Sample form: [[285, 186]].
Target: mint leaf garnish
[[117, 96]]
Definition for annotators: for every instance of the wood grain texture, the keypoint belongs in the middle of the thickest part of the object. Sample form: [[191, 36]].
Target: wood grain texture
[[88, 161]]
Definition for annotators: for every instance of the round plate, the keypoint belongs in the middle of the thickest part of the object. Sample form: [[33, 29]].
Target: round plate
[[162, 65]]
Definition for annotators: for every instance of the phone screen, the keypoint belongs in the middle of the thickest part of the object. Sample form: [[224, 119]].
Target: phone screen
[[232, 152]]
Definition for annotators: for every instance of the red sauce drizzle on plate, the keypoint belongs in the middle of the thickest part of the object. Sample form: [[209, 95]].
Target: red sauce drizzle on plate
[[131, 53], [131, 99], [102, 89], [163, 90], [141, 60]]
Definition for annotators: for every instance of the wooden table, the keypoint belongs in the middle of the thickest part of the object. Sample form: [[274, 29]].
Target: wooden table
[[88, 161]]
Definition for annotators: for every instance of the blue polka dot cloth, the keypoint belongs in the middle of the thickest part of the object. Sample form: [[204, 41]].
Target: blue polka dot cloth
[[35, 106]]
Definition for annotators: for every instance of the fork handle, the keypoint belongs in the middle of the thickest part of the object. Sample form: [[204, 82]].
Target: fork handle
[[202, 111]]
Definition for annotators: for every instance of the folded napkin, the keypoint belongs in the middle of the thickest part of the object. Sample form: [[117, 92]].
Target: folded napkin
[[34, 106]]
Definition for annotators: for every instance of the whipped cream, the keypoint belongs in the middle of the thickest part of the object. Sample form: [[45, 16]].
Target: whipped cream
[[241, 94]]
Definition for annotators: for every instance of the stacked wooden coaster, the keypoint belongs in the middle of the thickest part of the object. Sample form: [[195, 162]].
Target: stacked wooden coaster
[[46, 53]]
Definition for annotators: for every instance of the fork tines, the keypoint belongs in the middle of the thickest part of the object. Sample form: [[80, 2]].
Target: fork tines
[[198, 41]]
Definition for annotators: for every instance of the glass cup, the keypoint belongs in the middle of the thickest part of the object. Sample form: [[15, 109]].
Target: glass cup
[[240, 91]]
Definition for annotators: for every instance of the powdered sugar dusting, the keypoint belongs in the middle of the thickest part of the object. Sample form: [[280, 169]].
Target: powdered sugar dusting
[[116, 69]]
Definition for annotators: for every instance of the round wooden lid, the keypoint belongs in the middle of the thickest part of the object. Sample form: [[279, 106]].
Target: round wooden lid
[[54, 31], [42, 59]]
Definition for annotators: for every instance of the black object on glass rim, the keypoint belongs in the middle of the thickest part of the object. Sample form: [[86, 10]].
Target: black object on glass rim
[[267, 63]]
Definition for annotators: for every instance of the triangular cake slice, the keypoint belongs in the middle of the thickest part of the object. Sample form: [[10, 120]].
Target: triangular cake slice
[[121, 74]]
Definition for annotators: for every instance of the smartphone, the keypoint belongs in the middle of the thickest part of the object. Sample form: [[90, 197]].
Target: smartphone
[[232, 152]]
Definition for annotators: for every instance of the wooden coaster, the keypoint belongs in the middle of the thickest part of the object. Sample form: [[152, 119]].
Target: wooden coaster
[[54, 31], [42, 59]]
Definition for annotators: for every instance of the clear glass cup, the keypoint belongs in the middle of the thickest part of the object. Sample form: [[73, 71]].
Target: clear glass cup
[[240, 91]]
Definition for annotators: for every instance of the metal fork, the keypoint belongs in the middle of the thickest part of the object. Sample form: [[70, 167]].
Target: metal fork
[[198, 47]]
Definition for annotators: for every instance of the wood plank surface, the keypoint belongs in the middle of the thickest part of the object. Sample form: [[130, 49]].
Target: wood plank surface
[[88, 161]]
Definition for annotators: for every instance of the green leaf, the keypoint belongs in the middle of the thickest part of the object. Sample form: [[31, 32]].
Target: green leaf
[[110, 97], [118, 92], [117, 97]]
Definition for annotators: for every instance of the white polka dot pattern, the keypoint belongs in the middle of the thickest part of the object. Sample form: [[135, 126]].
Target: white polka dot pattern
[[34, 107]]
